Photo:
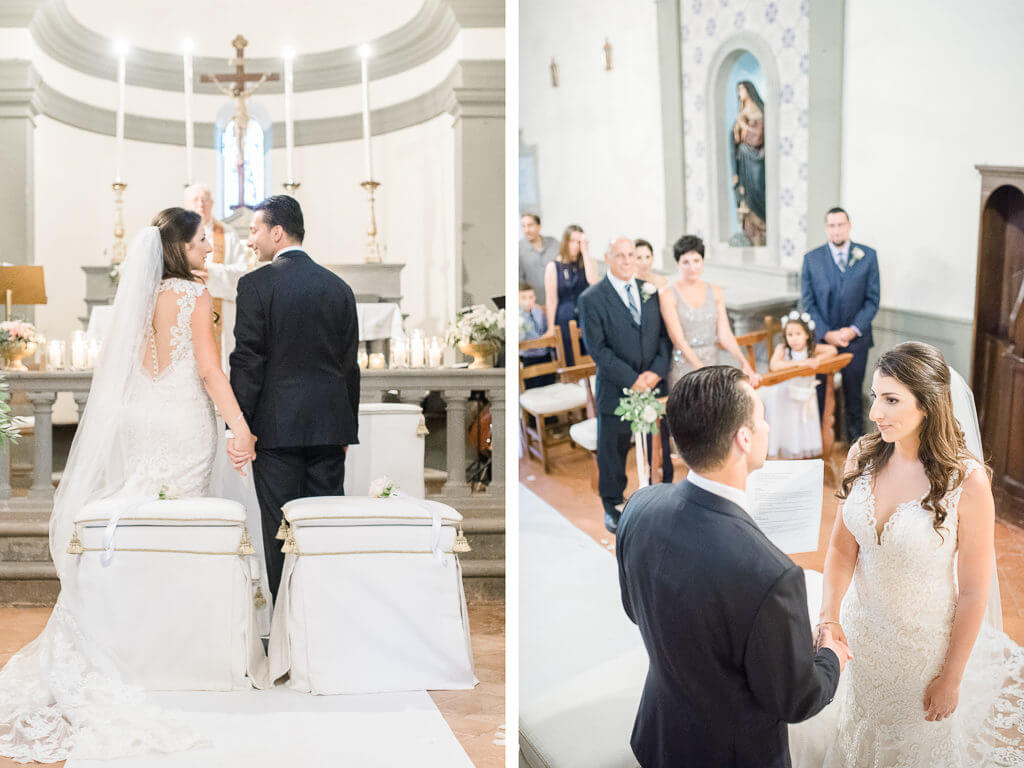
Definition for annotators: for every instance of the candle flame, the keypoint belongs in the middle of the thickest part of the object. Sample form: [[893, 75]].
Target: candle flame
[[121, 47], [365, 51], [187, 46], [289, 53]]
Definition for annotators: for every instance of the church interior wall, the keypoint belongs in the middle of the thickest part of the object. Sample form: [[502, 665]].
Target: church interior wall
[[923, 104], [598, 134]]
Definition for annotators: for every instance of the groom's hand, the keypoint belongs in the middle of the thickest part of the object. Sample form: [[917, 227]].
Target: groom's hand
[[838, 647]]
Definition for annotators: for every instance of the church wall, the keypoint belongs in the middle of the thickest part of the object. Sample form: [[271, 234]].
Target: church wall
[[415, 210], [598, 135], [929, 92]]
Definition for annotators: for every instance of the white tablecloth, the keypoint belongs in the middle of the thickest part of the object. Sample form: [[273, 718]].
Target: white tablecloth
[[376, 321], [379, 321]]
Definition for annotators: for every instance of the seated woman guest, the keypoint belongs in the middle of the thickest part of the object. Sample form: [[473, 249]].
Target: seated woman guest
[[694, 315], [565, 279], [645, 264]]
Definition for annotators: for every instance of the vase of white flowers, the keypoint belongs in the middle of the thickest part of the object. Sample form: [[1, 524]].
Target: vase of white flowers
[[478, 332]]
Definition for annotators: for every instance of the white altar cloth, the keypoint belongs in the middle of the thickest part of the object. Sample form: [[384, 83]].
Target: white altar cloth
[[390, 443], [174, 604], [382, 320], [372, 601]]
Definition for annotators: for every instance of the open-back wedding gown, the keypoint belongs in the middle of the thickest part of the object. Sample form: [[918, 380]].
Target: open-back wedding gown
[[149, 426], [898, 615]]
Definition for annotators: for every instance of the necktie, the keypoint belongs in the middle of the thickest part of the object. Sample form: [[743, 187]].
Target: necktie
[[634, 308], [841, 256]]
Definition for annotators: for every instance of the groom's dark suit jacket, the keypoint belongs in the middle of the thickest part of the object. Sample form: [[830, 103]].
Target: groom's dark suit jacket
[[723, 614], [294, 368]]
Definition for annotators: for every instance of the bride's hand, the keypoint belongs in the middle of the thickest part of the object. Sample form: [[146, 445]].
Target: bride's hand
[[941, 698], [836, 629]]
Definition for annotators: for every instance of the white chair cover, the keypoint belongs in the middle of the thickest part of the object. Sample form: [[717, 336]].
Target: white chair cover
[[372, 601], [174, 605]]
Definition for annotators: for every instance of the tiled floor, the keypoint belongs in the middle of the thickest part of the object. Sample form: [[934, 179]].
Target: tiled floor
[[476, 717], [568, 489]]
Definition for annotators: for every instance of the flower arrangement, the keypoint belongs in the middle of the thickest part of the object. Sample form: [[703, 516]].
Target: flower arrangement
[[382, 488], [14, 333], [476, 325], [641, 409], [115, 272]]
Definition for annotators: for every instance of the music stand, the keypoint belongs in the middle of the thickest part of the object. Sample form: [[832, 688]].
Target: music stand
[[21, 285]]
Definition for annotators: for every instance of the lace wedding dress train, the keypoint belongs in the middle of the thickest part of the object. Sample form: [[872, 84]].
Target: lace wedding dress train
[[149, 426], [898, 616]]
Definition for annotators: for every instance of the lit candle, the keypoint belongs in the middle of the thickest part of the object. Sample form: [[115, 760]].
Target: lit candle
[[416, 350], [79, 351], [362, 358], [435, 354], [187, 47], [122, 56], [289, 128], [376, 360], [55, 355], [399, 352], [364, 53]]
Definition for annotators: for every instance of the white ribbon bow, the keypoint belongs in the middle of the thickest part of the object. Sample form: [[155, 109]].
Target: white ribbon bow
[[435, 526]]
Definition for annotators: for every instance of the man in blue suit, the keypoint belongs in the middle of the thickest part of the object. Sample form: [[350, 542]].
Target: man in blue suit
[[625, 336], [840, 291]]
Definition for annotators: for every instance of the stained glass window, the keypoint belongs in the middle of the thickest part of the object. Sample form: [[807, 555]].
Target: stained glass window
[[254, 165]]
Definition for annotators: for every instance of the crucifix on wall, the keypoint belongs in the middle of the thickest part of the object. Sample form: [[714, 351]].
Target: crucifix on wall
[[235, 87], [607, 48]]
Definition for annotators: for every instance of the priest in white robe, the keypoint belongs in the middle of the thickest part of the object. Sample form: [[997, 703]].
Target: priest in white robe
[[228, 261]]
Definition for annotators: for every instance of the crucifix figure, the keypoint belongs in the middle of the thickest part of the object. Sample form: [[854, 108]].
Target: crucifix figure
[[240, 94], [607, 48]]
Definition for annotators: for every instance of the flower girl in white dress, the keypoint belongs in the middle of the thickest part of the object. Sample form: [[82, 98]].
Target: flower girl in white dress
[[791, 407]]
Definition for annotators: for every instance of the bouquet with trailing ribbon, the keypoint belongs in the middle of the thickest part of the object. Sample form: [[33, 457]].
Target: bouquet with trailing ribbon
[[643, 412]]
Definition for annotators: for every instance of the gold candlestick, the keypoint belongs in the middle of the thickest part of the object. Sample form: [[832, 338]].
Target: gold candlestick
[[372, 243], [117, 250], [291, 186]]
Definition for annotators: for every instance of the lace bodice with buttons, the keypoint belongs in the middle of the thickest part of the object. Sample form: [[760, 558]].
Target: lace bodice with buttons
[[170, 423]]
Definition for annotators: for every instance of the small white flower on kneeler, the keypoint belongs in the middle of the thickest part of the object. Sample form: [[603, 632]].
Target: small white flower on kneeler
[[382, 488]]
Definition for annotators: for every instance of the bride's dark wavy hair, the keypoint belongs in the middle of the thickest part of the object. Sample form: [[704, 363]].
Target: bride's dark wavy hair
[[942, 449], [177, 227]]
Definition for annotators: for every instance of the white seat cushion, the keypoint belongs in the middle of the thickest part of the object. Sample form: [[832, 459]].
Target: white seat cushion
[[584, 434], [365, 510], [553, 398], [147, 511]]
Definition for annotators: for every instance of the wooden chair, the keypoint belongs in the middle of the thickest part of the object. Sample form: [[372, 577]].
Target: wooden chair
[[583, 433], [547, 412]]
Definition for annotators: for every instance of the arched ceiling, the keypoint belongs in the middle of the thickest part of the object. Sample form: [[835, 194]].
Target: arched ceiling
[[269, 25]]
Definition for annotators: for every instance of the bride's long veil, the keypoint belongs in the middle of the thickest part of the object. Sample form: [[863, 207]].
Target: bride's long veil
[[61, 695], [967, 414]]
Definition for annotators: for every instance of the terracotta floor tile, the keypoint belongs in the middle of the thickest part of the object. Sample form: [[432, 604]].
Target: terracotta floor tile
[[475, 716]]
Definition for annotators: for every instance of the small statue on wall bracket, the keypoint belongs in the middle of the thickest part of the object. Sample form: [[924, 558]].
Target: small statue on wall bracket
[[554, 73], [607, 48]]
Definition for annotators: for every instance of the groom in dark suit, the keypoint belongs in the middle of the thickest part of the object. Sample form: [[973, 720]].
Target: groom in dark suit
[[293, 370], [624, 334], [840, 291], [722, 612]]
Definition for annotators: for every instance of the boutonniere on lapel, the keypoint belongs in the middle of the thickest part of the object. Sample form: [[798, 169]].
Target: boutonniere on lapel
[[855, 255], [647, 290]]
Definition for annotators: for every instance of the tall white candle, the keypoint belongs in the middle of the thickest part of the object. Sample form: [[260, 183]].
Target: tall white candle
[[364, 52], [289, 128], [187, 48], [122, 56]]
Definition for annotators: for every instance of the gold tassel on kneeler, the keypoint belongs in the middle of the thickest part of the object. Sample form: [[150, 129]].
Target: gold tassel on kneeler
[[421, 428], [245, 545], [75, 545], [258, 599], [461, 543], [291, 547], [282, 530]]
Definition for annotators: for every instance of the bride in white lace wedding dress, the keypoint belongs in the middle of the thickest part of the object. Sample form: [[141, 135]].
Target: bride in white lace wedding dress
[[933, 683], [149, 426]]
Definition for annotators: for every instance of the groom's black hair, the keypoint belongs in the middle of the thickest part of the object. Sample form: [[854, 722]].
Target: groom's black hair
[[705, 409], [285, 212]]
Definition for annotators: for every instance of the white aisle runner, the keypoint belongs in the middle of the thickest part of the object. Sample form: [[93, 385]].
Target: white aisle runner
[[582, 662], [281, 727]]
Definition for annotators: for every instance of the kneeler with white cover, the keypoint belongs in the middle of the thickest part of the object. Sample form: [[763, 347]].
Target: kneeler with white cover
[[391, 444], [169, 592], [371, 597]]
